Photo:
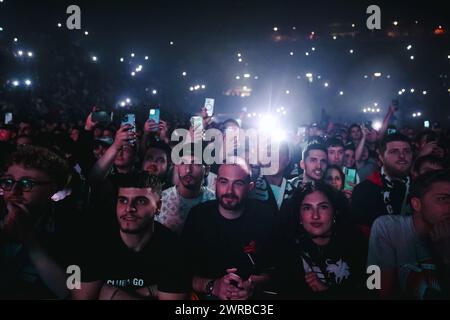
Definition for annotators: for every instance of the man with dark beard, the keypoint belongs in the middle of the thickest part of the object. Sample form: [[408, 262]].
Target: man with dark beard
[[228, 240], [385, 192], [141, 260], [178, 200]]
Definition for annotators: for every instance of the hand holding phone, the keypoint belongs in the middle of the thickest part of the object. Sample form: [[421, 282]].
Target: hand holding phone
[[350, 178], [154, 116], [130, 119]]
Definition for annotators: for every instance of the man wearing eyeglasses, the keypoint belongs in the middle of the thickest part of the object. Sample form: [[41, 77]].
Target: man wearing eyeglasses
[[30, 246]]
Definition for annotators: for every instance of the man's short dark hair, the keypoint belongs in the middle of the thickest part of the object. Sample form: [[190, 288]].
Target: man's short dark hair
[[427, 159], [161, 146], [425, 181], [42, 159], [391, 138], [139, 180], [334, 142], [349, 146], [314, 145]]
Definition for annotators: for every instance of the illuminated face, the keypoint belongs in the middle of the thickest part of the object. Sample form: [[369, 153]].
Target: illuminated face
[[397, 158], [190, 174], [356, 133], [349, 158], [435, 204], [136, 209], [125, 157], [232, 186], [335, 155], [333, 178], [39, 195], [316, 214], [314, 165], [155, 162]]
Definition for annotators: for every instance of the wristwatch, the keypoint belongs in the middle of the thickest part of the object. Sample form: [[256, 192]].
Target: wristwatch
[[209, 287]]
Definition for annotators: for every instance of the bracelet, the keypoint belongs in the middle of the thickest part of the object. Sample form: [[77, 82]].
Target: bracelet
[[114, 293]]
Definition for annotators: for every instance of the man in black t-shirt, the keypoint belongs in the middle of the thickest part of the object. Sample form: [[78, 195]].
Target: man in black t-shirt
[[227, 241], [141, 260]]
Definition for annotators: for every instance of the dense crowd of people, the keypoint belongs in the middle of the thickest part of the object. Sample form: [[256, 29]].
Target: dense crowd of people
[[109, 199]]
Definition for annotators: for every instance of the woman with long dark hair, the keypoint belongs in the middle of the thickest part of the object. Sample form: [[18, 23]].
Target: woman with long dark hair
[[322, 256]]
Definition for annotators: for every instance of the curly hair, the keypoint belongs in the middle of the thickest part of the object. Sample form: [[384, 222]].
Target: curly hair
[[42, 159]]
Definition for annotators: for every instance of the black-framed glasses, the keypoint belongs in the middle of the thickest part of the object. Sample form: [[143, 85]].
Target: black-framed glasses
[[25, 184]]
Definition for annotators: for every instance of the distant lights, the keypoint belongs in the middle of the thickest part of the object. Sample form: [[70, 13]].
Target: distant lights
[[240, 59], [424, 92], [132, 55], [351, 51], [377, 74], [247, 75], [146, 57], [326, 84], [395, 23], [59, 25], [409, 47], [184, 74], [291, 53], [154, 91], [334, 37], [275, 29], [121, 60], [238, 77], [412, 90], [411, 57], [16, 40], [86, 33], [341, 93]]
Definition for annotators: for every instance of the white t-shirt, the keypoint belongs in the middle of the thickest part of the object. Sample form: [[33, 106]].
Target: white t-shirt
[[175, 208], [394, 244]]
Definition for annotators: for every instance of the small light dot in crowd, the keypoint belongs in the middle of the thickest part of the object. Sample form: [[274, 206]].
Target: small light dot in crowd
[[146, 58], [238, 77], [59, 25], [171, 43], [377, 74], [20, 52], [128, 100], [353, 25], [247, 75], [409, 47], [294, 28], [326, 84], [184, 74], [133, 74], [154, 91], [132, 55], [15, 83], [30, 54], [334, 37], [288, 92], [341, 93], [203, 86], [123, 104], [28, 82], [412, 57], [275, 29], [256, 78], [94, 58], [307, 53], [239, 55], [1, 29], [395, 23], [121, 59], [313, 49], [351, 51], [291, 53], [86, 33], [424, 92], [412, 90], [240, 59], [15, 39]]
